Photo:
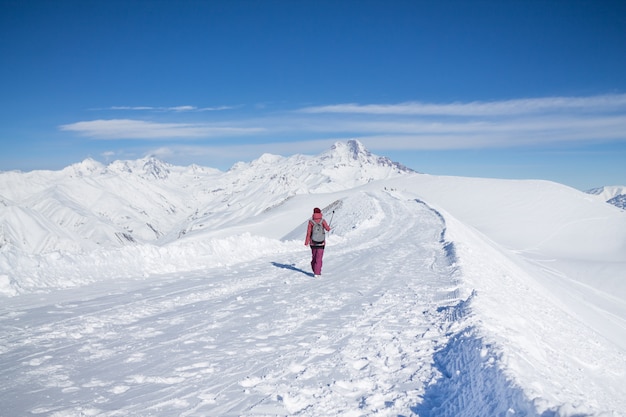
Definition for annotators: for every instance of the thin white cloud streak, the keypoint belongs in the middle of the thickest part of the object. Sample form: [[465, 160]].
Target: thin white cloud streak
[[459, 125], [603, 103], [113, 129], [563, 128], [177, 109], [455, 133], [136, 108]]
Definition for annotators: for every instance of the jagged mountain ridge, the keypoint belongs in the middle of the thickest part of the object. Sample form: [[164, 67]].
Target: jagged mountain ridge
[[89, 205]]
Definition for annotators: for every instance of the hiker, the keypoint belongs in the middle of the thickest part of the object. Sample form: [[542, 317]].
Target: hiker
[[316, 237]]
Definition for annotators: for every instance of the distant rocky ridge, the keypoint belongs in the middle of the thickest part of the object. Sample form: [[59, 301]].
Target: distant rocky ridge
[[618, 201], [615, 195]]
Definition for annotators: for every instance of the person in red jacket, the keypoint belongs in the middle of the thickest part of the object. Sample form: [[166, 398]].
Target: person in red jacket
[[317, 239]]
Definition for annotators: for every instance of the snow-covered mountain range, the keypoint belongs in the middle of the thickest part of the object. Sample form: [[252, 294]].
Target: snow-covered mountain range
[[141, 288], [89, 205]]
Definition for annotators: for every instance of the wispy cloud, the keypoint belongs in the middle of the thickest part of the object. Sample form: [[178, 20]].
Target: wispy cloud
[[471, 125], [176, 109], [480, 108], [413, 126], [139, 129], [136, 108]]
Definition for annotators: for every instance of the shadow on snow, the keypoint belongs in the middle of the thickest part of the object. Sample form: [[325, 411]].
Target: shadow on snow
[[471, 382], [292, 267]]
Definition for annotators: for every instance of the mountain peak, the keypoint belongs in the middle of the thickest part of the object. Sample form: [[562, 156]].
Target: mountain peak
[[353, 151], [85, 168], [156, 168], [147, 167]]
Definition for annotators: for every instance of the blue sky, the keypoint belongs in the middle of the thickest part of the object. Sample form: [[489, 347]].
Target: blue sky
[[505, 89]]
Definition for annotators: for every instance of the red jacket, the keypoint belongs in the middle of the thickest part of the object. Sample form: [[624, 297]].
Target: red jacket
[[316, 218]]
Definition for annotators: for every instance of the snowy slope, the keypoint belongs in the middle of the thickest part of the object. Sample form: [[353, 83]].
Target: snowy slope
[[440, 297]]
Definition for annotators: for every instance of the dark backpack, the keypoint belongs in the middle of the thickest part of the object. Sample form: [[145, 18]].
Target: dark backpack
[[318, 234]]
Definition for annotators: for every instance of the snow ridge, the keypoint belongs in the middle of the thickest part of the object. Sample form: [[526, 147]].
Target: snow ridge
[[469, 382]]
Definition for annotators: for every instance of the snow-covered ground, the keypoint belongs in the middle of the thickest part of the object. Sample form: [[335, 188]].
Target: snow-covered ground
[[440, 296]]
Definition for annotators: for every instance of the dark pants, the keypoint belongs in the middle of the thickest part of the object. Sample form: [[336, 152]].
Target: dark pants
[[317, 253]]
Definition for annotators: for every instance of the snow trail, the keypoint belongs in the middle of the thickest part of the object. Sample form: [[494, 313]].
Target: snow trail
[[383, 332]]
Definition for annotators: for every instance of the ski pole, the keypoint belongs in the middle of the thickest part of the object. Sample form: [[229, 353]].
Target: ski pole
[[331, 218]]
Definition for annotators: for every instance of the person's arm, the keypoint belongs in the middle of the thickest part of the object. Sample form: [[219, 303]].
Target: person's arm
[[308, 235], [326, 226]]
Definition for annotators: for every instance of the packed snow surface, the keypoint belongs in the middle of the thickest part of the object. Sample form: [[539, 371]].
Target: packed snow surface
[[440, 296]]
